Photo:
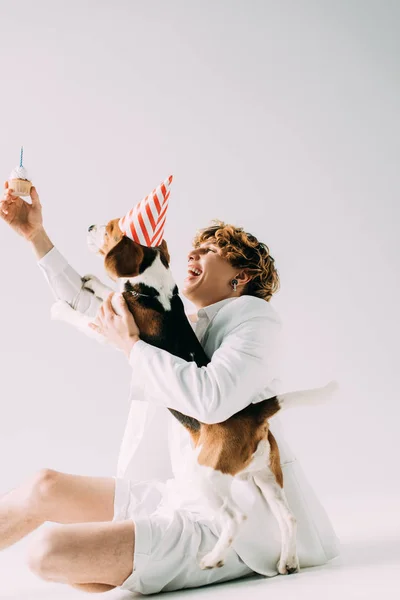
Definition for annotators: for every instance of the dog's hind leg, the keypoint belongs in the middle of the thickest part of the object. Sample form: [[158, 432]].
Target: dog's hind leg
[[217, 487], [276, 498]]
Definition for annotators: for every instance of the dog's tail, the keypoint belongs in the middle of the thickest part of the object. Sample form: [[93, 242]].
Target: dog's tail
[[311, 397]]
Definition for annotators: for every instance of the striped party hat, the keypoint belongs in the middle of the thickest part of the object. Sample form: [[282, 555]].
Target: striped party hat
[[145, 222]]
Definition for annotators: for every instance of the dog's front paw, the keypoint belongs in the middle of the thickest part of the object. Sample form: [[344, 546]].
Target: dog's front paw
[[90, 282], [93, 283]]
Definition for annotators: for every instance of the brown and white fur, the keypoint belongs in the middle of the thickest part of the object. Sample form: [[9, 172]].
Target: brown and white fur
[[243, 446]]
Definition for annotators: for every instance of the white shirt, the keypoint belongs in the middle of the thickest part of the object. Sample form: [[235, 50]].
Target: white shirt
[[239, 335]]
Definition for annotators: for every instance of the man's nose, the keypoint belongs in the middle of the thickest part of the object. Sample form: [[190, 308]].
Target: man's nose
[[91, 227], [192, 254]]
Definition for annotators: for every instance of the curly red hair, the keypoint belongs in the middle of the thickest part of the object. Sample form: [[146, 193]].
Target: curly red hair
[[244, 251]]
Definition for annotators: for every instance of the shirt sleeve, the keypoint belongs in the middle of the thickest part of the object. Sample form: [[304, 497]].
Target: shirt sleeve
[[66, 283], [240, 368]]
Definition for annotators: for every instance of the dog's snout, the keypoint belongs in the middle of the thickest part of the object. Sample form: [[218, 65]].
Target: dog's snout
[[91, 227]]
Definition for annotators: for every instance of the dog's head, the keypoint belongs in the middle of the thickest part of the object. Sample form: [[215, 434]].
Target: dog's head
[[124, 258], [142, 270]]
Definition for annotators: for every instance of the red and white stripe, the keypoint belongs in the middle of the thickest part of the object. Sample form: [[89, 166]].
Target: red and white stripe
[[145, 222]]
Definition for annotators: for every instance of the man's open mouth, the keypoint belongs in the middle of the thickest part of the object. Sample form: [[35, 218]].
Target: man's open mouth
[[193, 272]]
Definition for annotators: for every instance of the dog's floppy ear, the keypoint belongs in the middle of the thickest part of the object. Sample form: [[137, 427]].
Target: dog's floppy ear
[[164, 254], [124, 259]]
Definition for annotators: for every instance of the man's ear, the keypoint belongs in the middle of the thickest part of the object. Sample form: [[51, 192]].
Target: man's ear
[[124, 259], [244, 277], [164, 254]]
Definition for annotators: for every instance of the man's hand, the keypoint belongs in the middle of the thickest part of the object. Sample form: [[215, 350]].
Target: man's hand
[[26, 219], [121, 331]]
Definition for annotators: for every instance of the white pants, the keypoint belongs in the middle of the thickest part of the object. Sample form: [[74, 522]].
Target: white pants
[[168, 545]]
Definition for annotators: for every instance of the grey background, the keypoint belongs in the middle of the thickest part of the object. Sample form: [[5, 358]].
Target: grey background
[[281, 117]]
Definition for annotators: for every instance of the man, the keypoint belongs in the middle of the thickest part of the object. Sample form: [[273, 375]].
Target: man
[[145, 537]]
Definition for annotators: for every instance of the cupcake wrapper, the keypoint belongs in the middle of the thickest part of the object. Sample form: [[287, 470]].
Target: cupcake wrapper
[[21, 187]]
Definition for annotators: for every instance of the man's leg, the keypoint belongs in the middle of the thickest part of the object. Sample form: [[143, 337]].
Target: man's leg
[[53, 496], [59, 497], [94, 557]]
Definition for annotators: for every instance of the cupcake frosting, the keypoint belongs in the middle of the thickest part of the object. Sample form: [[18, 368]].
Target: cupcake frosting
[[19, 173]]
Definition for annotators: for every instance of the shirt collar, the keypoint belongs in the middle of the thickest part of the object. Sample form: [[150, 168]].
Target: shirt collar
[[210, 311]]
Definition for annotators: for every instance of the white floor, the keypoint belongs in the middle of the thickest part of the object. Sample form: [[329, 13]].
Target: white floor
[[368, 568]]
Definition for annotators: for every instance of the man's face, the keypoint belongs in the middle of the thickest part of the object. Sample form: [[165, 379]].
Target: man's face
[[214, 281]]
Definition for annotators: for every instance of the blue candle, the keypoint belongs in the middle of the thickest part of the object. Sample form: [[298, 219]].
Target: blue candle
[[22, 154]]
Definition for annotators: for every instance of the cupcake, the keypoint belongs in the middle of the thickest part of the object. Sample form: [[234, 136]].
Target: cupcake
[[19, 181]]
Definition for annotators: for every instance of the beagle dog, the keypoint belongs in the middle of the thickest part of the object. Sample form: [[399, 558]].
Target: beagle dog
[[145, 280]]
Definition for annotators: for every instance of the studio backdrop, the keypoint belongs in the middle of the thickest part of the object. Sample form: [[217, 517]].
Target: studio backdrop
[[281, 118]]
